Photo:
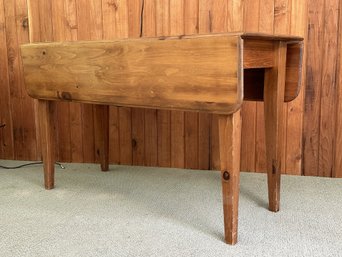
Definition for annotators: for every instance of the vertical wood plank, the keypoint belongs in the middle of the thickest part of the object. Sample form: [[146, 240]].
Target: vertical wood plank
[[328, 91], [6, 135], [138, 134], [89, 20], [313, 87], [191, 118], [204, 119], [248, 109], [163, 116], [123, 30], [13, 76], [29, 135], [218, 23], [116, 24], [34, 35], [125, 138], [337, 170], [75, 109], [63, 111], [266, 25], [177, 117], [101, 117], [151, 126], [282, 22], [125, 114], [164, 138], [295, 109]]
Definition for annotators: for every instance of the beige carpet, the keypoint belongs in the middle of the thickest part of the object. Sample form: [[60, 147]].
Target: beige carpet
[[139, 211]]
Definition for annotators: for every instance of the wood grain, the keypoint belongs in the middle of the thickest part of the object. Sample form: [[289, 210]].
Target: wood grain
[[191, 119], [89, 17], [266, 25], [122, 19], [177, 117], [328, 90], [295, 108], [13, 80], [6, 135], [274, 126], [204, 119], [47, 133], [96, 73], [230, 146], [281, 25], [101, 118], [148, 29], [163, 116], [337, 171], [313, 87], [217, 15], [248, 110]]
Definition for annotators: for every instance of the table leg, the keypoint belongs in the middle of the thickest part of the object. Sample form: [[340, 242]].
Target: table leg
[[274, 87], [102, 130], [45, 112], [230, 144]]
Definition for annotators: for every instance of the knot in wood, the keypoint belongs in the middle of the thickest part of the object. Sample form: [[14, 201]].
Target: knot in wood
[[226, 175], [66, 96], [25, 22]]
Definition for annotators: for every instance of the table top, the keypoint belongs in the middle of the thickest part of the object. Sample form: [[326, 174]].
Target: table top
[[196, 72]]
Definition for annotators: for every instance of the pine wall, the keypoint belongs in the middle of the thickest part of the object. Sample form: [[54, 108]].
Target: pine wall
[[313, 140]]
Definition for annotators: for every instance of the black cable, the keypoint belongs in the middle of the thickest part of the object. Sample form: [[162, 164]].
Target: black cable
[[27, 164]]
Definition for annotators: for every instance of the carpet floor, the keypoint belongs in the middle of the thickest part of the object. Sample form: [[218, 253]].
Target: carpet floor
[[141, 211]]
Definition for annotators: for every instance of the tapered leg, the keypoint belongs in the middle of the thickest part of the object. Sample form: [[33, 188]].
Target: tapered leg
[[102, 130], [45, 112], [274, 100], [230, 144]]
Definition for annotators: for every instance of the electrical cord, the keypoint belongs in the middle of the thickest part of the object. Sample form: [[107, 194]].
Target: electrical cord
[[28, 164]]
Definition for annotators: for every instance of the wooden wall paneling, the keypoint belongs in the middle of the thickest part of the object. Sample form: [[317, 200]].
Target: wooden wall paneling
[[21, 151], [34, 35], [163, 116], [6, 135], [282, 23], [141, 20], [204, 119], [138, 136], [28, 129], [337, 169], [63, 111], [328, 90], [315, 47], [115, 25], [151, 126], [124, 146], [174, 138], [295, 109], [89, 20], [191, 118], [125, 135], [44, 19], [266, 25], [218, 23], [75, 109], [248, 109], [235, 15], [177, 117]]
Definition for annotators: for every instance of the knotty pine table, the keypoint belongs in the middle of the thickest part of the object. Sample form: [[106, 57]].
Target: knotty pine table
[[201, 73]]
